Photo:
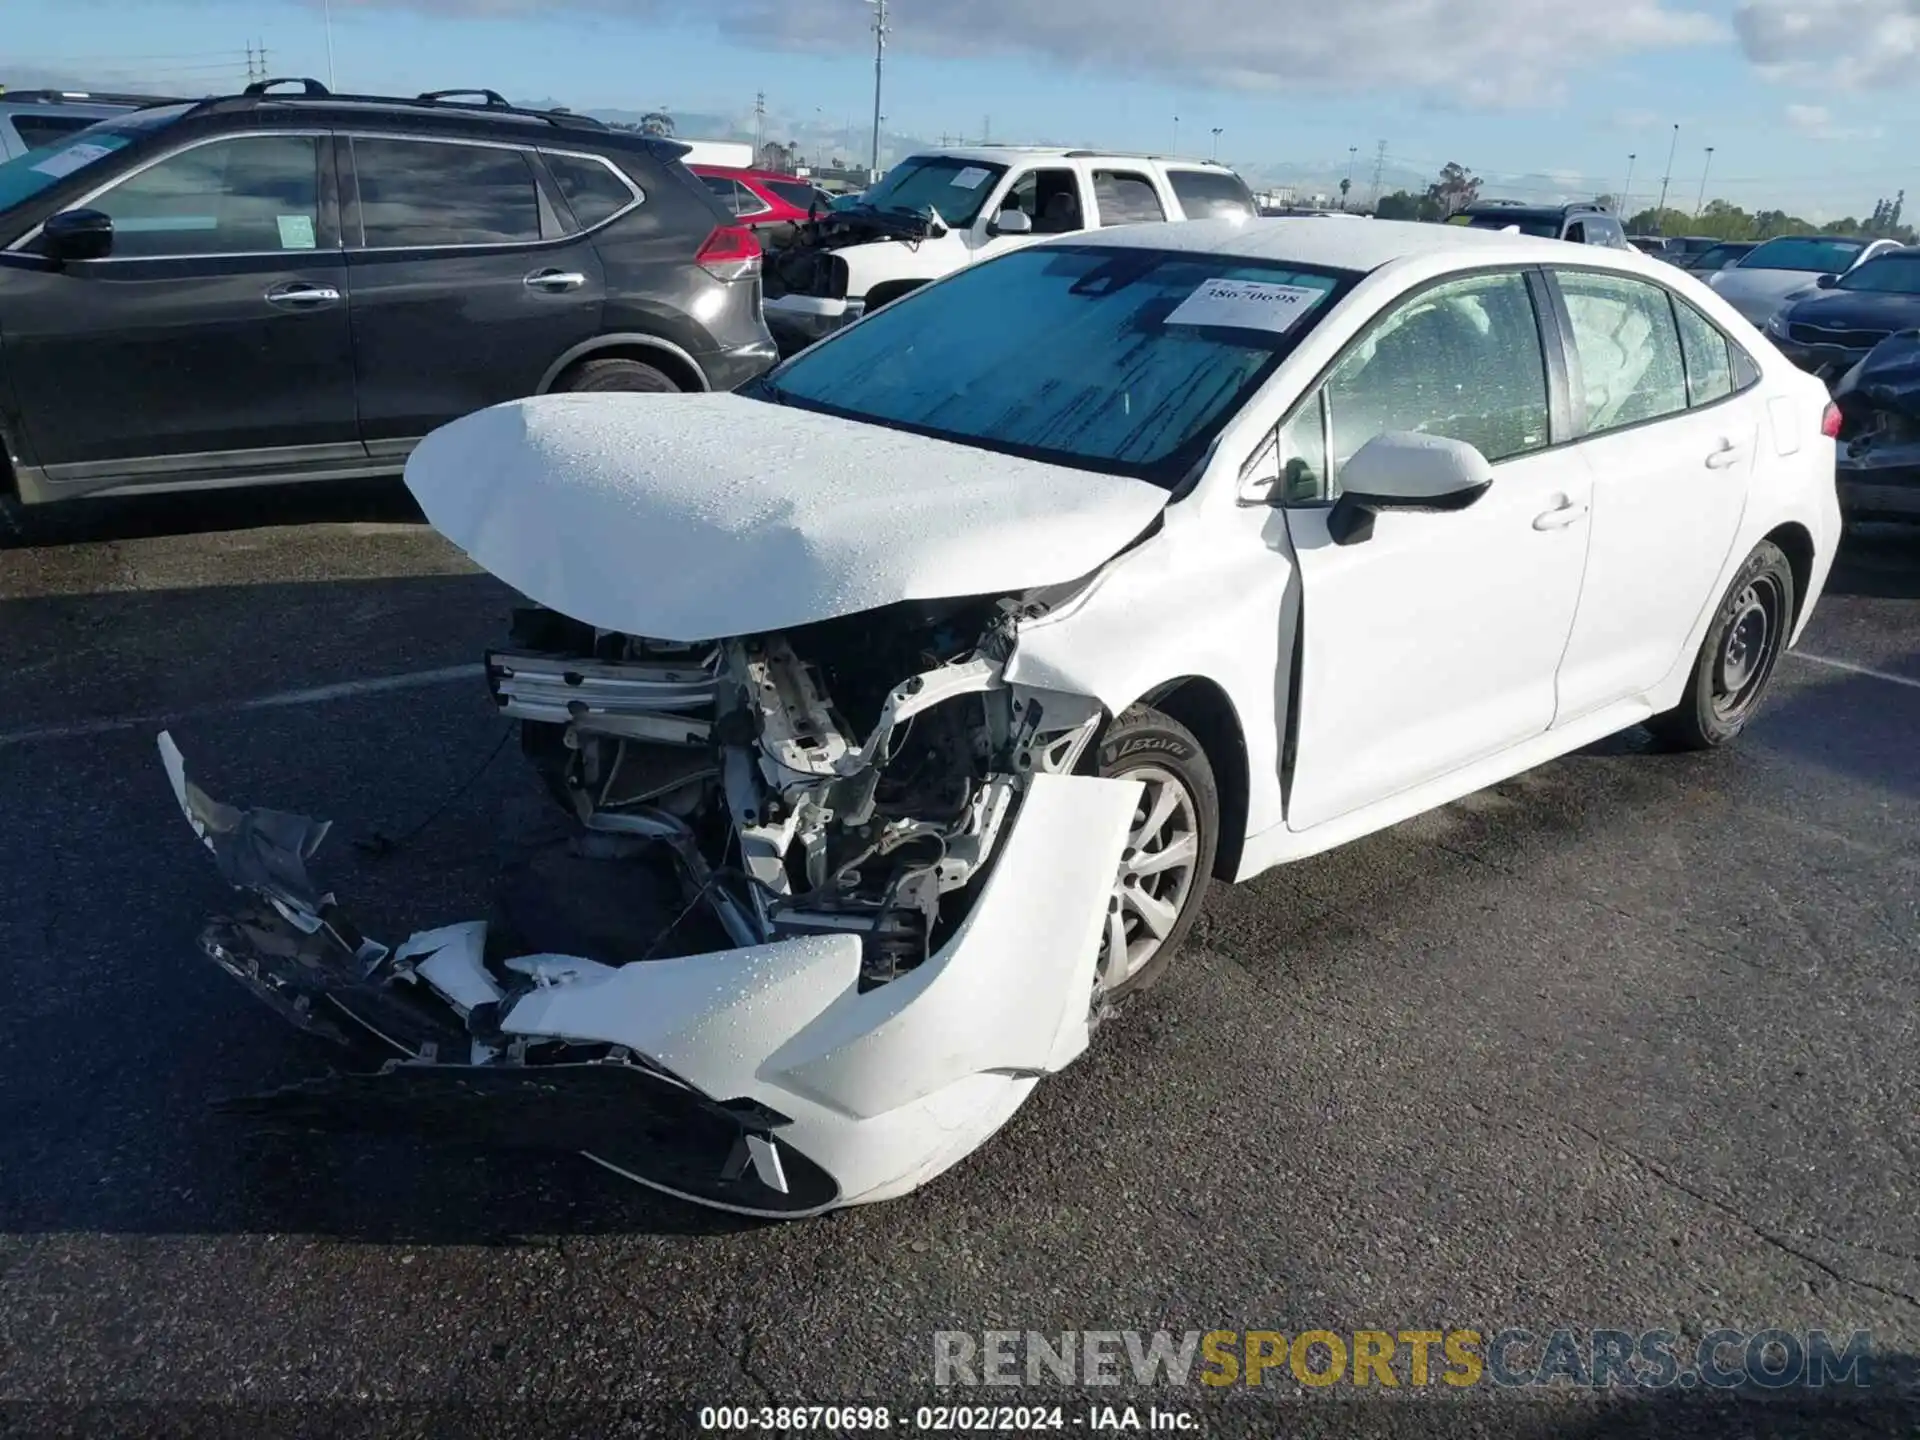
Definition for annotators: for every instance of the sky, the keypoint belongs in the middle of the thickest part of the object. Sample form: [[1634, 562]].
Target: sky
[[1804, 102]]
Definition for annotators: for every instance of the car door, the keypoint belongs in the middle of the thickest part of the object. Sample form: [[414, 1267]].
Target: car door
[[1433, 643], [1050, 196], [213, 335], [1669, 443], [469, 280]]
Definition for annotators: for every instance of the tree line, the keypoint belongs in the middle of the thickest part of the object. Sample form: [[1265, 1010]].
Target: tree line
[[1458, 187]]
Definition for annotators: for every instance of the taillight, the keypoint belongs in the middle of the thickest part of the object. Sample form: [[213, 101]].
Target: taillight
[[1830, 421], [730, 253]]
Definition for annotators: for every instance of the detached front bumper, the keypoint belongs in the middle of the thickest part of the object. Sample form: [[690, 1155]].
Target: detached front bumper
[[761, 1080]]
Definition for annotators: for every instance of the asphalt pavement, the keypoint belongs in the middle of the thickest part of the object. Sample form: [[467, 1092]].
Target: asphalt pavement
[[1627, 1042]]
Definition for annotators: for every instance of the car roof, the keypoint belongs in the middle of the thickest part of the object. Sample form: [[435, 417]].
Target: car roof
[[1009, 154], [1323, 242]]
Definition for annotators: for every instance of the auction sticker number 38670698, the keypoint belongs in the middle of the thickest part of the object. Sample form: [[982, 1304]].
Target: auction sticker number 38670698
[[1246, 305]]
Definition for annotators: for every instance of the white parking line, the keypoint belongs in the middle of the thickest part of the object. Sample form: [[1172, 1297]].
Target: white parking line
[[1852, 669], [317, 695]]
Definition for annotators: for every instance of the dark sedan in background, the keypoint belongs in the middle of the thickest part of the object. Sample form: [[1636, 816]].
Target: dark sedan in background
[[1831, 331]]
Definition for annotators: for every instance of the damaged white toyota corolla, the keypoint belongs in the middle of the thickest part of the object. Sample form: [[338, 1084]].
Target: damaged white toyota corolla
[[914, 696]]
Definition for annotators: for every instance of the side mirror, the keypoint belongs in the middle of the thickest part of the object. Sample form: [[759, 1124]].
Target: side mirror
[[78, 235], [1401, 470], [1012, 222], [1827, 282]]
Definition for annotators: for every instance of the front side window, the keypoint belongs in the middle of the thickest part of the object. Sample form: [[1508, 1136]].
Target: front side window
[[25, 176], [1461, 360], [593, 192], [1628, 347], [1125, 198], [797, 193], [1211, 194], [418, 193], [1709, 360], [1049, 198], [1122, 360], [247, 195]]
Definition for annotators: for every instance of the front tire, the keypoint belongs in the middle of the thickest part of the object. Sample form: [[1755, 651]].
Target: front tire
[[1737, 658], [1170, 848]]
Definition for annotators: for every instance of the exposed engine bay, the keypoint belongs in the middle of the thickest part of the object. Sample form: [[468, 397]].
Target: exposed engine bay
[[805, 264], [848, 777]]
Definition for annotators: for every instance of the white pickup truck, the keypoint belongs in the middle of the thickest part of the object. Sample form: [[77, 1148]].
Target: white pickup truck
[[942, 210]]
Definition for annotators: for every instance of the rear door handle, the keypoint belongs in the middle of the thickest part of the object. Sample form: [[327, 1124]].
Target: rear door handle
[[555, 281], [1567, 512], [1722, 455], [299, 295]]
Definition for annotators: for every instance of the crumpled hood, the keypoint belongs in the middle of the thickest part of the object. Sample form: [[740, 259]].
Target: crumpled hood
[[697, 517]]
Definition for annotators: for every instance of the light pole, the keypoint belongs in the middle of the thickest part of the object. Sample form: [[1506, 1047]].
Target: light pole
[[1176, 135], [331, 83], [1215, 154], [1665, 180], [1701, 203], [879, 68], [1626, 191]]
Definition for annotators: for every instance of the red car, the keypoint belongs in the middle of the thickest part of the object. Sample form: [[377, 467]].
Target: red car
[[762, 197]]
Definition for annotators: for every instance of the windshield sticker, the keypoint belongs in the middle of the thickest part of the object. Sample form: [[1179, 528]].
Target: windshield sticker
[[970, 178], [72, 158], [1246, 305], [296, 232]]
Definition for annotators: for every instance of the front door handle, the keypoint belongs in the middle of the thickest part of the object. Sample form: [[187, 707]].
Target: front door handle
[[555, 282], [1722, 455], [1567, 512], [299, 295]]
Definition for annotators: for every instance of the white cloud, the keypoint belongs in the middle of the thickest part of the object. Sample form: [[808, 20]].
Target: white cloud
[[1492, 53], [1845, 44], [1816, 122]]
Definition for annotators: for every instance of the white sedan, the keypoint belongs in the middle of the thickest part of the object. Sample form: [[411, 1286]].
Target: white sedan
[[914, 696]]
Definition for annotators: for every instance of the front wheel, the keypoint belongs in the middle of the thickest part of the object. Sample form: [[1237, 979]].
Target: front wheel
[[616, 373], [1737, 658], [1170, 847]]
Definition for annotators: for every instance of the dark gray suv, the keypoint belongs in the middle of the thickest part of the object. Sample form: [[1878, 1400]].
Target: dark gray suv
[[291, 286]]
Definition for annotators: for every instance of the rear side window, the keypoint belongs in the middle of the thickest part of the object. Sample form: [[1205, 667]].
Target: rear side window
[[36, 130], [1628, 347], [247, 195], [423, 193], [1125, 198], [594, 193], [1211, 194], [1708, 356]]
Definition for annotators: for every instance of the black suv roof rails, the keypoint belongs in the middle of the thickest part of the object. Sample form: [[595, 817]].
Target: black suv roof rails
[[491, 102]]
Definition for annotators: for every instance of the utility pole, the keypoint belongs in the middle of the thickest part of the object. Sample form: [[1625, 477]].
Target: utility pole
[[1626, 190], [1379, 170], [879, 71], [250, 74], [759, 124], [1701, 203], [1660, 209], [1176, 136], [329, 19], [1215, 154]]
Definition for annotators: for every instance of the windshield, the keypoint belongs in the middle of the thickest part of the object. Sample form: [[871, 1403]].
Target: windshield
[[1719, 257], [1525, 224], [1815, 256], [956, 188], [1889, 275], [27, 175], [1122, 360]]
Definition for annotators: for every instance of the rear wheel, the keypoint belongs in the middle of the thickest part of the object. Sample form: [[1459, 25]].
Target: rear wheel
[[616, 372], [1170, 847], [1737, 658]]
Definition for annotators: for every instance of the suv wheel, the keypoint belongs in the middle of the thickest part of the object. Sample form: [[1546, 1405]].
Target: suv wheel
[[616, 373]]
